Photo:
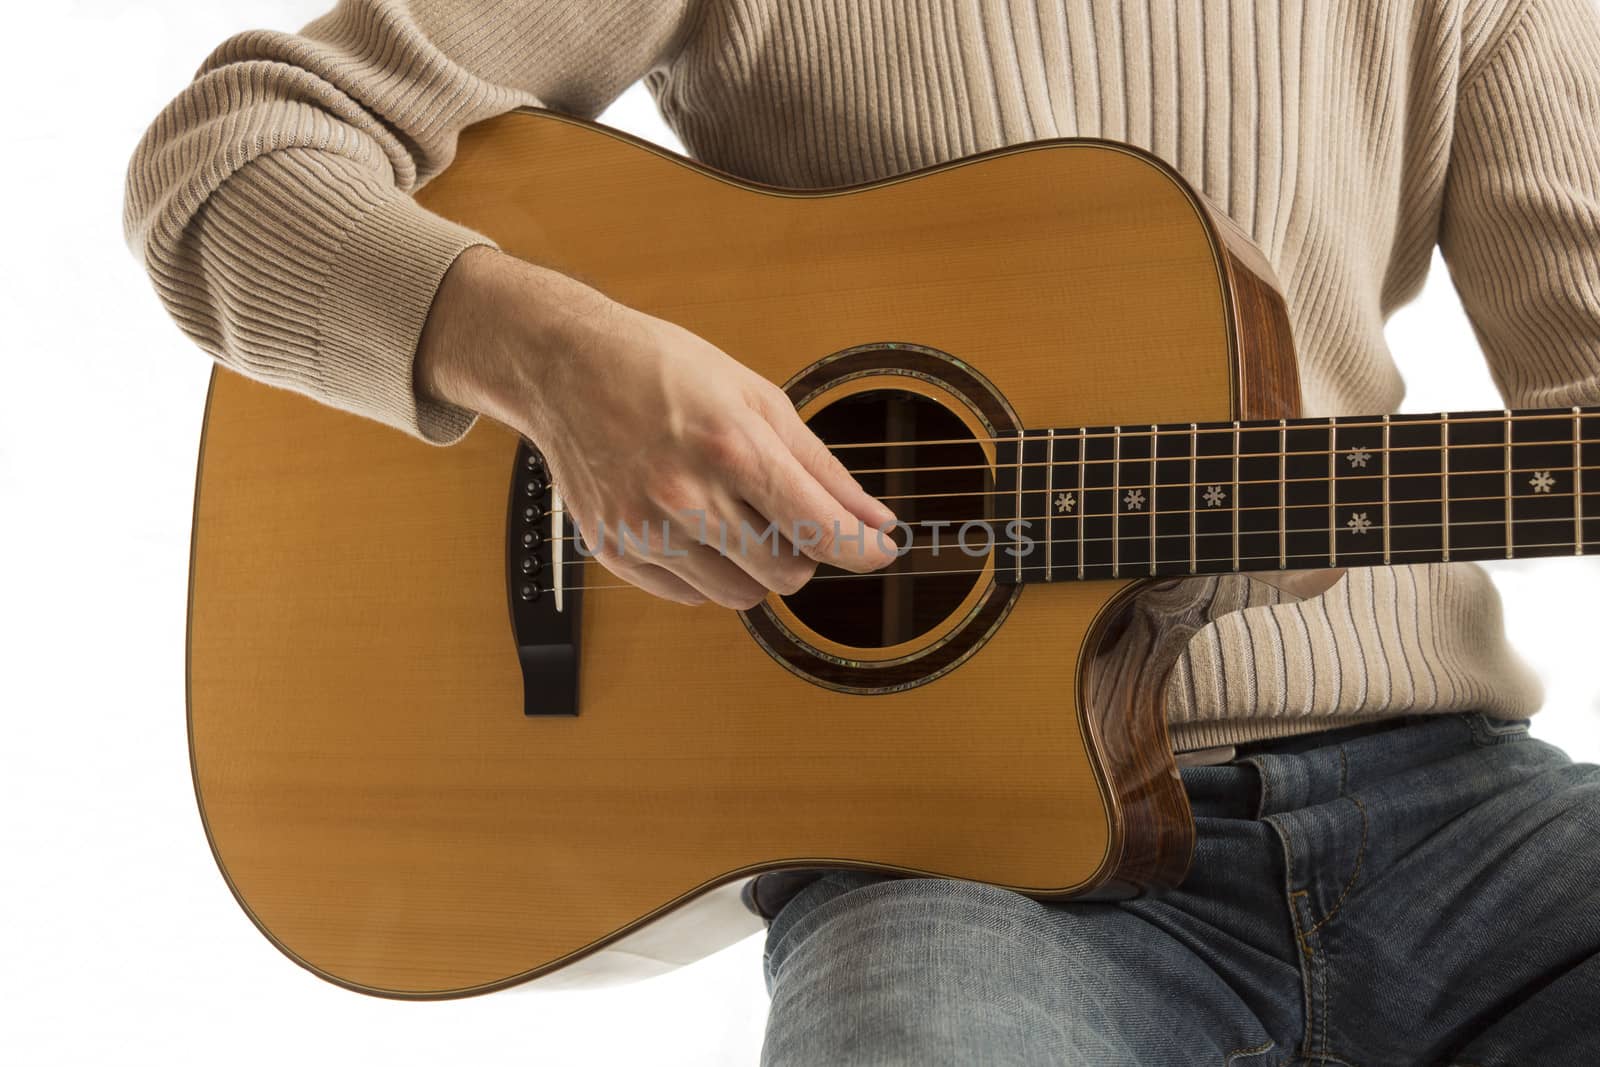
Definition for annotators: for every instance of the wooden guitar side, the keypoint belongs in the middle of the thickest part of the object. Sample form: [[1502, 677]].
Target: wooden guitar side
[[372, 790]]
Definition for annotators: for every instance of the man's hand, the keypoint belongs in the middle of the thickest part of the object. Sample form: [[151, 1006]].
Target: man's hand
[[649, 428]]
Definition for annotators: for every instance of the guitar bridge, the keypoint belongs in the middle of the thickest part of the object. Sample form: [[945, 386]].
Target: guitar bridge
[[544, 579]]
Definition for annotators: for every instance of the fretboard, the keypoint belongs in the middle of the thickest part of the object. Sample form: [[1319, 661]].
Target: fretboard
[[1210, 498]]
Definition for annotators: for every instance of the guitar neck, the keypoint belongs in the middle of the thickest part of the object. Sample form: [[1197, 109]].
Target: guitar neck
[[1213, 498]]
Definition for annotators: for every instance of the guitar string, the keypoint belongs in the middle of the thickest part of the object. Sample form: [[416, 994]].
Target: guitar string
[[1256, 426], [1323, 479], [1562, 547], [1498, 446], [1224, 509], [1143, 538], [1250, 426], [1376, 450]]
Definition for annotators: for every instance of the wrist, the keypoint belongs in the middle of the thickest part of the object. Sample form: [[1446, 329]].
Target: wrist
[[500, 330], [447, 368]]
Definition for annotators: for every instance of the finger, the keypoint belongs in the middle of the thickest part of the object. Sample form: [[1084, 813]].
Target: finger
[[757, 546], [656, 581], [714, 576], [784, 491], [826, 468]]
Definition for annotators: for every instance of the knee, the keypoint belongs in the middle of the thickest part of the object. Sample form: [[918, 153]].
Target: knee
[[908, 970], [853, 914]]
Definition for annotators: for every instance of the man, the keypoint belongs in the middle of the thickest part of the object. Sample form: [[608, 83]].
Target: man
[[1389, 871]]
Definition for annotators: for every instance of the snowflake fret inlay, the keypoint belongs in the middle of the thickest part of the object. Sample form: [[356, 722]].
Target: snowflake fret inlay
[[1214, 496], [1065, 502], [1359, 523], [1541, 481], [1358, 456], [1134, 499]]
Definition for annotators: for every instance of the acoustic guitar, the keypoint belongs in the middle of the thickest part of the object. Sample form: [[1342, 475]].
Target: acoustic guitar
[[439, 750]]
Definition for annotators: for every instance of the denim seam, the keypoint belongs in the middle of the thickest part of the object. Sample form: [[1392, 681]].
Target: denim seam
[[1311, 971], [1316, 967], [1291, 895], [1249, 1053], [1264, 802], [1361, 849], [1486, 731], [1321, 959], [1317, 970]]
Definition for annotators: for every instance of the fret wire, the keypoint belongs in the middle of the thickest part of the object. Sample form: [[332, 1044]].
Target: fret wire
[[1194, 504], [1283, 493], [1444, 484], [1530, 415], [1018, 514], [1333, 496], [1235, 494], [1152, 501], [1049, 507], [1386, 489], [1083, 495], [1116, 494], [1510, 537], [1577, 478]]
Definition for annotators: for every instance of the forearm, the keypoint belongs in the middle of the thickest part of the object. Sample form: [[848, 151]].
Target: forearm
[[270, 202]]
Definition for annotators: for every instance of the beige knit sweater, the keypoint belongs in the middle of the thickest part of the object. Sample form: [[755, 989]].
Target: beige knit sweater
[[270, 205]]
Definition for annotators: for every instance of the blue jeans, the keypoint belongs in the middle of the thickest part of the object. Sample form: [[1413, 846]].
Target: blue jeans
[[1424, 892]]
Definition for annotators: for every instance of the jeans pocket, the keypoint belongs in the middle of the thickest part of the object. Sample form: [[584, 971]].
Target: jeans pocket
[[1487, 730]]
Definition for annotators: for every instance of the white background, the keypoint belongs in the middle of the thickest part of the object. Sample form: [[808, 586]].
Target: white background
[[120, 944]]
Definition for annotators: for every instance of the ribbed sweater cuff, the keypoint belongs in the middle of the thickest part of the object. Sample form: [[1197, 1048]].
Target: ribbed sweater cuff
[[371, 311]]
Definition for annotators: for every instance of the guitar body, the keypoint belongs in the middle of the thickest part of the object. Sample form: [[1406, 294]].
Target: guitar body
[[375, 792]]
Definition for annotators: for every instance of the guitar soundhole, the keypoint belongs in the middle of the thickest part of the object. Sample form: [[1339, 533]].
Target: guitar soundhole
[[924, 463]]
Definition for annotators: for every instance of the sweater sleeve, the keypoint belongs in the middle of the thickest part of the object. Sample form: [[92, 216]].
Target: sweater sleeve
[[1521, 224], [271, 201]]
